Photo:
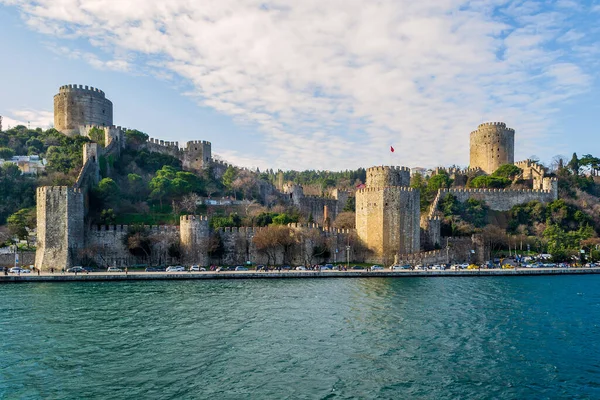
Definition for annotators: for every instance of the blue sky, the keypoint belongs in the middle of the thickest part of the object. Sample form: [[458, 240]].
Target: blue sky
[[327, 85]]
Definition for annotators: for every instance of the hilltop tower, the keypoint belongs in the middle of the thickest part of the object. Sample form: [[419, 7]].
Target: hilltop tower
[[194, 234], [197, 155], [78, 105], [388, 213], [492, 145], [60, 228]]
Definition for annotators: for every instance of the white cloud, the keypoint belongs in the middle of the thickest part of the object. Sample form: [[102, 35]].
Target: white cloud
[[31, 118], [331, 84], [117, 64]]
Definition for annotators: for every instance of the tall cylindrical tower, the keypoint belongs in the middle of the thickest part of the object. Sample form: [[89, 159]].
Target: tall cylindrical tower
[[194, 235], [77, 105], [492, 145], [388, 176]]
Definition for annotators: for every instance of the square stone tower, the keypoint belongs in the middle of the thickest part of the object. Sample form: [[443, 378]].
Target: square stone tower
[[388, 214]]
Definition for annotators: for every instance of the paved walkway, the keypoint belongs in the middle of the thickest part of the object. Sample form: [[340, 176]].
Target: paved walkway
[[131, 276]]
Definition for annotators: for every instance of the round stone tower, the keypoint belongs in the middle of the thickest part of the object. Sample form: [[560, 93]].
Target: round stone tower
[[388, 176], [77, 105], [492, 145], [194, 235]]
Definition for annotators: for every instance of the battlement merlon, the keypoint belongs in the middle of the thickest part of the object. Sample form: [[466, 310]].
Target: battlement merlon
[[388, 168], [193, 218], [58, 190], [81, 88]]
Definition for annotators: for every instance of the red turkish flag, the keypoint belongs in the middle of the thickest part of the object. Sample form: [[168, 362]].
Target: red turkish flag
[[391, 149]]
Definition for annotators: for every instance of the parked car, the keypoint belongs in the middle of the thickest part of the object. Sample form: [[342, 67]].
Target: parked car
[[152, 269], [76, 269], [326, 267], [300, 268], [197, 268], [419, 267], [19, 270], [376, 268], [240, 268], [177, 268], [437, 267], [286, 267], [400, 267], [357, 267], [114, 269]]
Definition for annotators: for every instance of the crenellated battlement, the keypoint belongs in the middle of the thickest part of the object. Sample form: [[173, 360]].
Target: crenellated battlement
[[58, 190], [486, 124], [125, 228], [384, 168], [81, 88], [386, 188], [88, 127], [193, 218], [205, 142], [492, 190], [174, 145]]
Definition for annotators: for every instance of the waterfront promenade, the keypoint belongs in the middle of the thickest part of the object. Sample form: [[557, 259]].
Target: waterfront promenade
[[145, 276]]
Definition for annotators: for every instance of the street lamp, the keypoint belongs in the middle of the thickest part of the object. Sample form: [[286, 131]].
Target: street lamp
[[347, 256]]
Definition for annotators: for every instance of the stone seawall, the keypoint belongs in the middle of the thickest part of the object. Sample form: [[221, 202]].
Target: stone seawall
[[145, 276]]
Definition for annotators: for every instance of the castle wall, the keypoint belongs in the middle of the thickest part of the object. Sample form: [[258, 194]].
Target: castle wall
[[503, 199], [77, 105], [105, 245], [26, 258], [492, 145], [60, 232]]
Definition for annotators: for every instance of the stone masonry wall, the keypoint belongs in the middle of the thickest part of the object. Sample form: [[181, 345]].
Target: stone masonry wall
[[492, 145], [502, 199], [388, 176], [77, 105], [194, 236], [104, 245], [60, 233]]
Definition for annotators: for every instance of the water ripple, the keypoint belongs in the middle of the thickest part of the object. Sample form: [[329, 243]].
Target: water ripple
[[440, 338]]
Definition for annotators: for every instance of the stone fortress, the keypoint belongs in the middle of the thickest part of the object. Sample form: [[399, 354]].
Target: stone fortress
[[388, 219]]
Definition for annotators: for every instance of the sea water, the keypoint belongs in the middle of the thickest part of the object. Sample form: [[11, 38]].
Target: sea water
[[428, 338]]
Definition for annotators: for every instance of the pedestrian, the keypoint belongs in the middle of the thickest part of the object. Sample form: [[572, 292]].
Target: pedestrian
[[52, 270], [38, 271], [62, 271], [126, 273]]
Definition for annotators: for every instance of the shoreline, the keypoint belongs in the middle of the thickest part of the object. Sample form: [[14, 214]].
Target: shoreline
[[149, 276]]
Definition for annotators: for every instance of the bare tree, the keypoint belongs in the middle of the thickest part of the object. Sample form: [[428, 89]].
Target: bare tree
[[189, 203], [345, 220]]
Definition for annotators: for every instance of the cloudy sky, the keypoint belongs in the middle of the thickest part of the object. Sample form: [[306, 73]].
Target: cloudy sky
[[327, 84]]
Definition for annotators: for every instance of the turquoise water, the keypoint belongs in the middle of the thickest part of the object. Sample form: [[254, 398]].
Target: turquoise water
[[436, 338]]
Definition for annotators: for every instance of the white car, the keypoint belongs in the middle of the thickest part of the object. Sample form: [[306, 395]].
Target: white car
[[114, 269], [437, 268], [376, 268], [419, 268], [18, 270], [177, 268], [197, 268], [300, 268], [400, 267]]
